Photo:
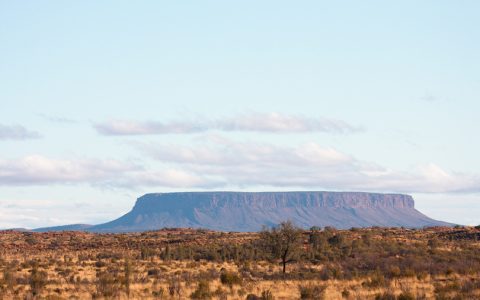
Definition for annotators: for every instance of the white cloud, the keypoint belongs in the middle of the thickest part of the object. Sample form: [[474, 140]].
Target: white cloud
[[126, 127], [37, 169], [171, 177], [40, 170], [249, 122], [306, 166], [275, 122], [17, 132], [221, 163]]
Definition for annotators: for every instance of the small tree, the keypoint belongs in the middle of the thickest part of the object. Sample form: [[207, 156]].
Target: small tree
[[282, 242]]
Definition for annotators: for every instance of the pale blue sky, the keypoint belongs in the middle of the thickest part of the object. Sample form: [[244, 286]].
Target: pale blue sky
[[101, 102]]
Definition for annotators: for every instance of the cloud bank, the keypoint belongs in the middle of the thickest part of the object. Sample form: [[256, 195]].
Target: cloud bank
[[309, 166], [252, 122], [40, 170], [17, 132], [226, 164], [37, 169]]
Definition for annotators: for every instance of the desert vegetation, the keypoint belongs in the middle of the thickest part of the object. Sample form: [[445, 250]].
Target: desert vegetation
[[278, 263]]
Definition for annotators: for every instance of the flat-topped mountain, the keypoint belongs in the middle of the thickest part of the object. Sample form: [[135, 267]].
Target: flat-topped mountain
[[249, 211]]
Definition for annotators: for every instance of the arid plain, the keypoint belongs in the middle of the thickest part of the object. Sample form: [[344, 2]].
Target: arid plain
[[323, 263]]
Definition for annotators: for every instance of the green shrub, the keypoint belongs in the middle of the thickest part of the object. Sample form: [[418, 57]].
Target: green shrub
[[100, 264], [230, 279], [405, 296], [146, 253], [107, 285], [174, 287], [385, 296], [37, 280], [267, 295], [312, 291], [377, 281], [202, 291], [345, 293], [159, 294]]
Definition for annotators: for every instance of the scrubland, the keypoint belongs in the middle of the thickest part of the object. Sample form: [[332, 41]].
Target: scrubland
[[322, 263]]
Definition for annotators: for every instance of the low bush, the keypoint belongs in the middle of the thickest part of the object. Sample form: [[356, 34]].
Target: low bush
[[312, 291], [202, 291], [230, 278]]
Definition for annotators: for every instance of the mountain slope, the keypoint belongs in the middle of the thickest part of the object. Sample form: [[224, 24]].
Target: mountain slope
[[242, 211]]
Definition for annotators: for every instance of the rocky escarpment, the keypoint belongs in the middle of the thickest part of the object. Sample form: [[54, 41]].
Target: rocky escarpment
[[243, 211]]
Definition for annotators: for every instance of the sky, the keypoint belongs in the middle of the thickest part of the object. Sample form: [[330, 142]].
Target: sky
[[104, 101]]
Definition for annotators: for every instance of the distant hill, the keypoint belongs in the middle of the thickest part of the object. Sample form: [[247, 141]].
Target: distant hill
[[16, 229], [72, 227], [243, 211]]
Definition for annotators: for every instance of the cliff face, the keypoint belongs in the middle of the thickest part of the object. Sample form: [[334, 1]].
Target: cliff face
[[241, 211], [272, 200]]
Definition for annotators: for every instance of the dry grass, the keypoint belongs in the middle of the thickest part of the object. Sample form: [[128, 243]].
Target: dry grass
[[175, 264]]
